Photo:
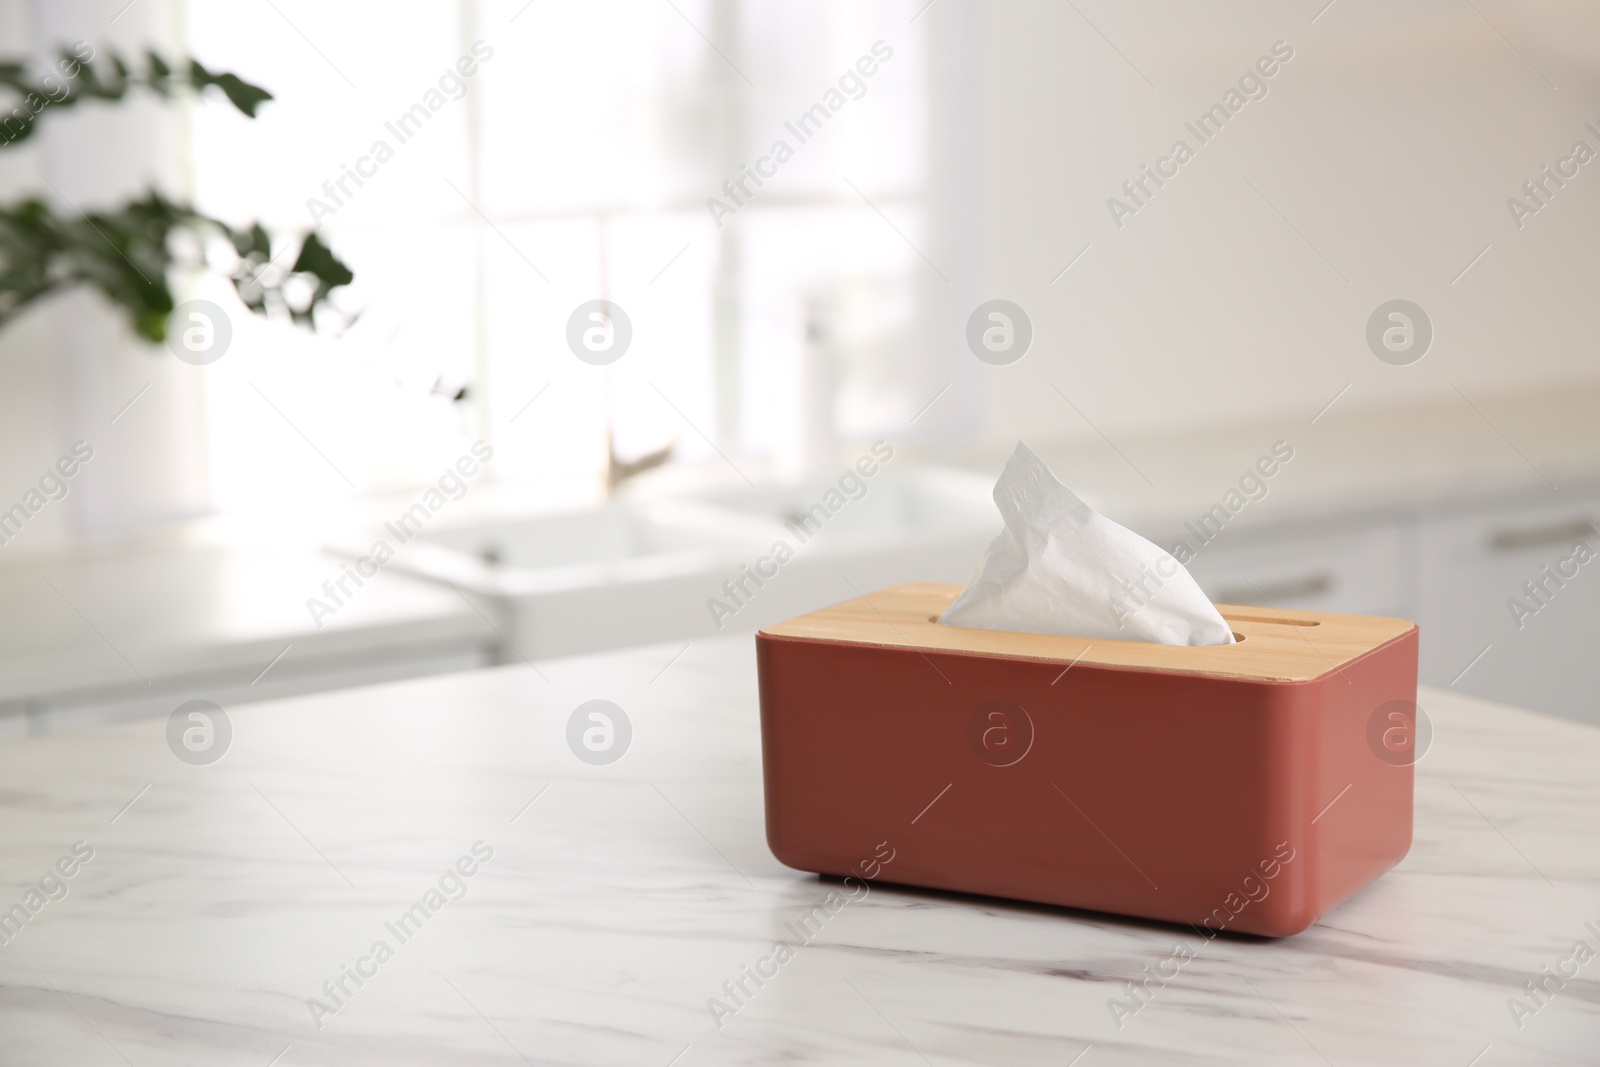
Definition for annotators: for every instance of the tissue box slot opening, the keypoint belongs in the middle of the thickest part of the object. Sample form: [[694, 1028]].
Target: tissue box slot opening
[[1237, 636], [1271, 622]]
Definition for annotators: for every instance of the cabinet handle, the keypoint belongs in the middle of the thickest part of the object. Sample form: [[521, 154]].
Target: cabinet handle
[[1560, 533], [1312, 585]]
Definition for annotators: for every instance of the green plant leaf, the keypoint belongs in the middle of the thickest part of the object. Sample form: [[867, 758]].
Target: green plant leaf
[[159, 71], [240, 93], [318, 259]]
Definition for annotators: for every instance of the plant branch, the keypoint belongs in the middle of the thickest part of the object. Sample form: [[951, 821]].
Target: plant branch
[[77, 77], [127, 255]]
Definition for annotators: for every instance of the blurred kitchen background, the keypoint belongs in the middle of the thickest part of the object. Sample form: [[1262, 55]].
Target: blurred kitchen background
[[777, 336]]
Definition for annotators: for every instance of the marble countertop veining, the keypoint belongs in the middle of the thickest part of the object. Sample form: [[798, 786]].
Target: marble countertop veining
[[615, 901]]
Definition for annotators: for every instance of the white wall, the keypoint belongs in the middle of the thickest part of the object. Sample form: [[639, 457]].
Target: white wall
[[1391, 140]]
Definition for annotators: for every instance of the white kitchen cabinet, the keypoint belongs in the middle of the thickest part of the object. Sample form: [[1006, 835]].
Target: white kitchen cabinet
[[1454, 573], [101, 635], [1357, 570], [1472, 565]]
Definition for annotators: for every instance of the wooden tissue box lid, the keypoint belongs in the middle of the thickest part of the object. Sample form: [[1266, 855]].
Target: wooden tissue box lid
[[1274, 646]]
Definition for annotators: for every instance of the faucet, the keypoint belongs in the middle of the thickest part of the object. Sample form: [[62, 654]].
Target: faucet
[[619, 470]]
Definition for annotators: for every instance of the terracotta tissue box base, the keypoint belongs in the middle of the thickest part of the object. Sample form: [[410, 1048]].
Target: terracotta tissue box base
[[1249, 787]]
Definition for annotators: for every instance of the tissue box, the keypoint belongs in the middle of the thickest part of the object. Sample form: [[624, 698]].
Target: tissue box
[[1249, 787]]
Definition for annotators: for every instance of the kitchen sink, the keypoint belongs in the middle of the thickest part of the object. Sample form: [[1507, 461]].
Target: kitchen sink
[[628, 573]]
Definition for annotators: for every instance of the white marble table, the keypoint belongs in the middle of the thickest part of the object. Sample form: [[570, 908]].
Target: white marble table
[[220, 898]]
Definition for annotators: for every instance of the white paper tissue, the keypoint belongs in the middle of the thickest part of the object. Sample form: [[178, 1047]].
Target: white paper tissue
[[1060, 567]]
